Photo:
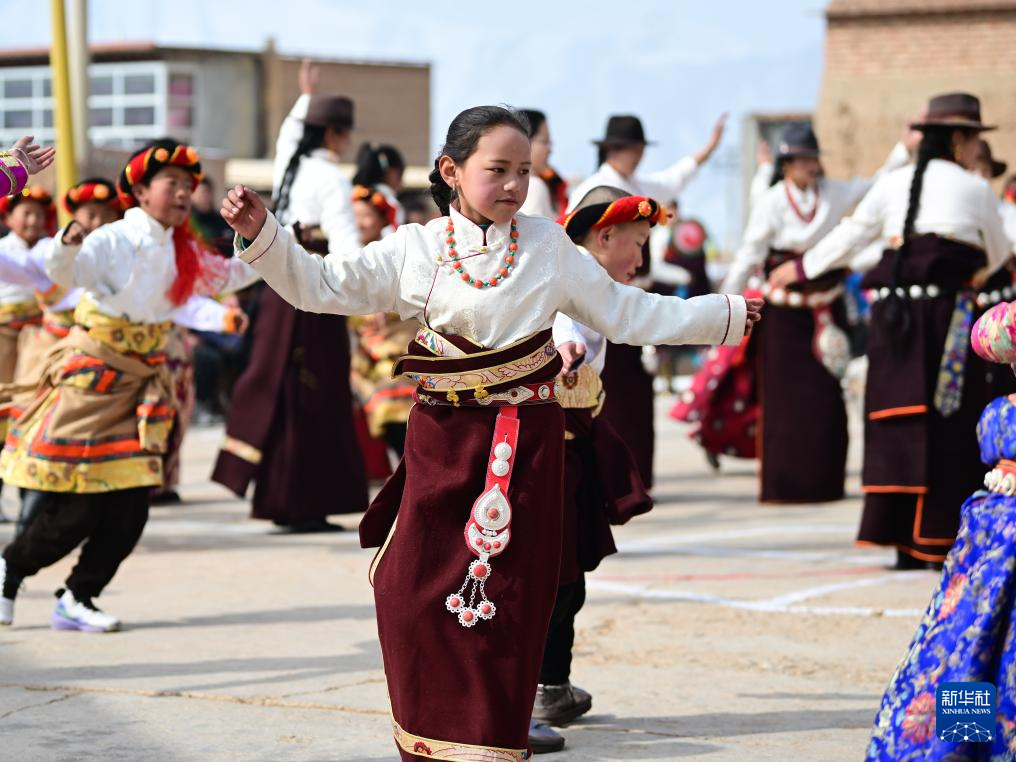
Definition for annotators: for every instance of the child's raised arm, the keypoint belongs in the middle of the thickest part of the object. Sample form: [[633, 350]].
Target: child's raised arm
[[355, 282]]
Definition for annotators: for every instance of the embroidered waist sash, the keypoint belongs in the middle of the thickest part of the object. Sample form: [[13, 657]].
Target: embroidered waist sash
[[453, 370], [19, 314]]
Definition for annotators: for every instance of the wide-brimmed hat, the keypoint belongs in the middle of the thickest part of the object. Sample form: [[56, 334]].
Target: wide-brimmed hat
[[959, 110], [604, 205], [998, 168], [797, 141], [623, 130], [330, 111]]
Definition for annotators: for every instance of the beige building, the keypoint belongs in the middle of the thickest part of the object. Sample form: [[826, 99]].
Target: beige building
[[227, 103], [885, 58]]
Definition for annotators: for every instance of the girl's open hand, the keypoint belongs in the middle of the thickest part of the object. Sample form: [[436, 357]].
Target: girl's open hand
[[244, 211], [35, 158]]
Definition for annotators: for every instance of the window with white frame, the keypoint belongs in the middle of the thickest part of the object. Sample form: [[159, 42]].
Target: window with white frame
[[129, 103]]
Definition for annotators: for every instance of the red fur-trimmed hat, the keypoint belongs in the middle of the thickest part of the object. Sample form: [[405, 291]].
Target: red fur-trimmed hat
[[377, 200], [604, 206], [143, 165], [32, 193], [93, 190]]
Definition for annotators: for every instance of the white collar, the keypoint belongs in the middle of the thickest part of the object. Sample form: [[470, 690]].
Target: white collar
[[469, 234], [611, 172], [324, 153], [808, 194], [18, 241], [141, 221]]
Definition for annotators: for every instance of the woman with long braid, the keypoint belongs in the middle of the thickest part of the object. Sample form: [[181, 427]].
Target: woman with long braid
[[291, 428], [925, 390]]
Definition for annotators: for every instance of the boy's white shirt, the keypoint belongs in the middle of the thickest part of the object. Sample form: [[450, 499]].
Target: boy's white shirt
[[128, 266]]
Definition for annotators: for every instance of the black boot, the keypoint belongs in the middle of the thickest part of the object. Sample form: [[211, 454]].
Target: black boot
[[561, 704], [543, 739]]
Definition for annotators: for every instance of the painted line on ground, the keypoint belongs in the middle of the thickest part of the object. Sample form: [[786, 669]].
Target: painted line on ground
[[769, 606], [733, 534]]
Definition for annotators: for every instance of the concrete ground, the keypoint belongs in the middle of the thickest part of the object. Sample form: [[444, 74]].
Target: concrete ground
[[724, 630]]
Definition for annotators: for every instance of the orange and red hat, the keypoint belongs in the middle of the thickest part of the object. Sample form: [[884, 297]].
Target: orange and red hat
[[379, 201], [604, 206], [144, 164], [32, 193], [93, 190]]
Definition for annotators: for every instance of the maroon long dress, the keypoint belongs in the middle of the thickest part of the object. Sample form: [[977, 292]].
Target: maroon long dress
[[452, 687], [290, 428]]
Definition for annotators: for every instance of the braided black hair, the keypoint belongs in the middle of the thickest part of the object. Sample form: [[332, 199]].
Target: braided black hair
[[937, 143], [777, 172], [313, 137], [464, 134]]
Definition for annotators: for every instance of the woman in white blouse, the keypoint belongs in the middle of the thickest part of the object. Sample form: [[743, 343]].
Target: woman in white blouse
[[925, 391], [802, 350], [291, 427]]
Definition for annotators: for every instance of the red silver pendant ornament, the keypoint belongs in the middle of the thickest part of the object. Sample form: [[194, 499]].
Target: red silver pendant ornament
[[488, 531]]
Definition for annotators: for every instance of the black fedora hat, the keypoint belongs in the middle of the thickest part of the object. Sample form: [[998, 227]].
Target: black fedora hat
[[623, 130], [330, 111], [797, 141], [959, 110], [998, 168]]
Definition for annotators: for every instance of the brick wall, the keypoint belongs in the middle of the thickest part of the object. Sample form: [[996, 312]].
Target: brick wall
[[884, 60]]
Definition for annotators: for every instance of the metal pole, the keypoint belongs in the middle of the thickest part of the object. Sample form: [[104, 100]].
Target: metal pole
[[77, 56], [66, 164]]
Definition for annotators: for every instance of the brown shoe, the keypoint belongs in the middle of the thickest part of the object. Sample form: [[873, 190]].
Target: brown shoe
[[560, 704]]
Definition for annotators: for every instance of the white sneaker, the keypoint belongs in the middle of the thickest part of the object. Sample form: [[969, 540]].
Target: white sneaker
[[6, 604], [72, 614]]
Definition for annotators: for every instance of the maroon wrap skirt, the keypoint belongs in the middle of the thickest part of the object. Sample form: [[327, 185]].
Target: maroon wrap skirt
[[290, 428], [629, 404], [919, 466], [602, 487], [802, 422], [447, 683]]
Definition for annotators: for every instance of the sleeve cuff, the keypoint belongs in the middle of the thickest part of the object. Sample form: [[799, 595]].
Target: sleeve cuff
[[251, 251], [738, 312], [806, 268]]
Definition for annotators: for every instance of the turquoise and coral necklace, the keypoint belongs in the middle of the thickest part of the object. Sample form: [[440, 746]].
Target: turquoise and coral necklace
[[506, 267]]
